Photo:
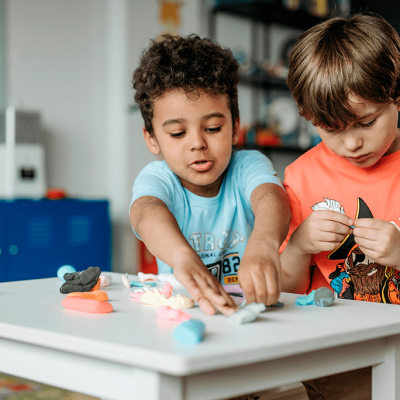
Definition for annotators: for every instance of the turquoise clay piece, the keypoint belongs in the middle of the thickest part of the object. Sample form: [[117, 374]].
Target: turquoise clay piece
[[190, 332], [322, 297]]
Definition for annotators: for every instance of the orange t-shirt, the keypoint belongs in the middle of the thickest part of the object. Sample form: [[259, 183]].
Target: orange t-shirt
[[320, 179]]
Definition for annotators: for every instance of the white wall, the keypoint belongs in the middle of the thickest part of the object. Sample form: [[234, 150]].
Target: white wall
[[73, 61]]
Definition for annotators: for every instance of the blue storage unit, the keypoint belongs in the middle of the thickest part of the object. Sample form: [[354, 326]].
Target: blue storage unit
[[39, 236]]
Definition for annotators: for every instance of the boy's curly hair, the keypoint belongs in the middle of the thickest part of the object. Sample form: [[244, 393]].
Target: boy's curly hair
[[189, 63]]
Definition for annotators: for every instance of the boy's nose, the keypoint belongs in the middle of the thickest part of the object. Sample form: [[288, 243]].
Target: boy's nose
[[353, 142], [198, 142]]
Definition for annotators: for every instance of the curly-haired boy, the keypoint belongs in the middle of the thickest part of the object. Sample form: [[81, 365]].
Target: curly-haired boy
[[345, 76], [204, 210]]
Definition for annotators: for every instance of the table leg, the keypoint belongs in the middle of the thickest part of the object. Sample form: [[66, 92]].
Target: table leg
[[151, 385], [386, 376]]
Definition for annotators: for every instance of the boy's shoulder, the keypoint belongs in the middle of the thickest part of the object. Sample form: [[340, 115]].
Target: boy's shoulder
[[242, 157], [311, 157]]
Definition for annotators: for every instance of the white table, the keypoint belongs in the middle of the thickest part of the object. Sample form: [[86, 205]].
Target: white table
[[127, 355]]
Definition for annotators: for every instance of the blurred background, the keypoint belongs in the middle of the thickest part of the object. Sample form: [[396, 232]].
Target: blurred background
[[70, 134]]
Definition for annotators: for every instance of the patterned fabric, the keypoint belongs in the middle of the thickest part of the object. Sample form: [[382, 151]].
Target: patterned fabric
[[321, 180]]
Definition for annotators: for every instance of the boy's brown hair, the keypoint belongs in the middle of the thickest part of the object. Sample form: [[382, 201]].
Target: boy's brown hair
[[189, 63], [359, 55]]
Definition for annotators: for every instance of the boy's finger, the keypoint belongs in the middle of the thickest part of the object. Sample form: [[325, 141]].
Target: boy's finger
[[335, 216], [206, 306], [227, 310]]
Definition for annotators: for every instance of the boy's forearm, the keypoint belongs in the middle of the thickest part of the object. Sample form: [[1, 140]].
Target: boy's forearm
[[272, 215], [295, 266], [159, 230]]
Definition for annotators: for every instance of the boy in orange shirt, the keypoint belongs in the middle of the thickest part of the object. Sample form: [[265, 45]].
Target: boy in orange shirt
[[345, 77]]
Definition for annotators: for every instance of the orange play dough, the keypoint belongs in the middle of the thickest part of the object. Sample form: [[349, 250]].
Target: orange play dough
[[97, 286], [99, 295], [86, 305]]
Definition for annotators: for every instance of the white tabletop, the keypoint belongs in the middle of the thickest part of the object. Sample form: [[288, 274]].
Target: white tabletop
[[31, 312]]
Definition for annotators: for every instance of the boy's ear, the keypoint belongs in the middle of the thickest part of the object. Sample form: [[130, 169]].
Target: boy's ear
[[236, 129], [151, 142]]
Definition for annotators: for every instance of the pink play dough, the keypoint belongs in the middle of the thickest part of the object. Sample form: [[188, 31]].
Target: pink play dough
[[136, 296], [86, 305], [167, 290], [171, 314]]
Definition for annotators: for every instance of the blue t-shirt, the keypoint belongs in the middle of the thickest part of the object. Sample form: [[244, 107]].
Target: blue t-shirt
[[219, 227]]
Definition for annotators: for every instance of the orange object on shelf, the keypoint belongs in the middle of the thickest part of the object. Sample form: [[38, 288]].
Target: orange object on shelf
[[267, 138], [56, 193], [148, 263]]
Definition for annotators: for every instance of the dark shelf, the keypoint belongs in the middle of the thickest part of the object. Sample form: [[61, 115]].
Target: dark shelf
[[264, 81], [284, 149], [270, 11]]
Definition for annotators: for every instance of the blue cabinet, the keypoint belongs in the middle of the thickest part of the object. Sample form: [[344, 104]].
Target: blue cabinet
[[39, 236]]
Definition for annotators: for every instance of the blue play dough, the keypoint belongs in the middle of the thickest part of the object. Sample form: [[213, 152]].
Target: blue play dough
[[322, 297], [139, 284], [189, 332], [64, 270]]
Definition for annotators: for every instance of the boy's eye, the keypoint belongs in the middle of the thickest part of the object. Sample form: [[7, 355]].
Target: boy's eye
[[178, 134], [213, 130], [368, 124]]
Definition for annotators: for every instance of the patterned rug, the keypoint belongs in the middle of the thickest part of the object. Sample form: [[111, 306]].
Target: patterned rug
[[13, 388]]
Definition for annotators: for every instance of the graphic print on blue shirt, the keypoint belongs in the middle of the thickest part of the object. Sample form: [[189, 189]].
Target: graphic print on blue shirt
[[217, 228], [225, 262]]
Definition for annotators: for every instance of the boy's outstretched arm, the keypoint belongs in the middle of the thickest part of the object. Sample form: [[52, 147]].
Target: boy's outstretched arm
[[157, 227], [260, 270]]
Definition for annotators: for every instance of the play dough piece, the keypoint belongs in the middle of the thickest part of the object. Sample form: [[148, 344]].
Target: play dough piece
[[324, 297], [170, 278], [171, 314], [156, 297], [65, 269], [136, 296], [247, 314], [305, 300], [189, 332], [125, 281], [180, 301], [146, 277], [99, 295], [86, 305], [153, 297], [97, 286], [82, 281], [105, 280], [167, 290]]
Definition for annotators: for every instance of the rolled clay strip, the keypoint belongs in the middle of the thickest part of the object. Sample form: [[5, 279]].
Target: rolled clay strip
[[99, 295], [86, 305]]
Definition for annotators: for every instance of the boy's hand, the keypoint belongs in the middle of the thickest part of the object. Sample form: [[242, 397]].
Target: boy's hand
[[259, 276], [203, 287], [379, 240], [322, 231]]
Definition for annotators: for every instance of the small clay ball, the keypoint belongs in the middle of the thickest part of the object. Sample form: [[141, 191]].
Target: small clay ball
[[324, 297]]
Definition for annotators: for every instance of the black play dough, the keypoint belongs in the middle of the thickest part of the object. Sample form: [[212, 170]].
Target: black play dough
[[82, 281]]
